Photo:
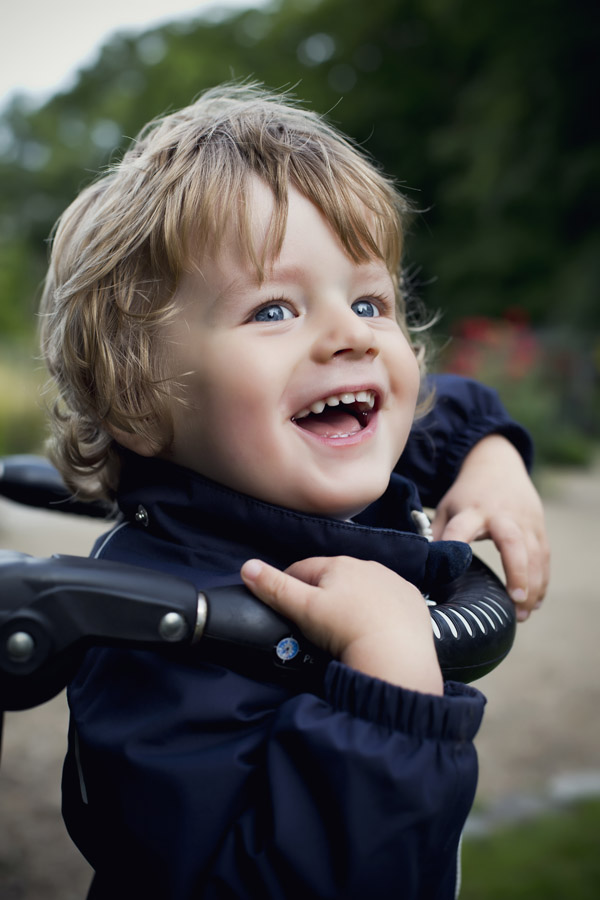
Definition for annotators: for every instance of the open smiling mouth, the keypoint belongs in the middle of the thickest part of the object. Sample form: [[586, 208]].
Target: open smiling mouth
[[339, 415]]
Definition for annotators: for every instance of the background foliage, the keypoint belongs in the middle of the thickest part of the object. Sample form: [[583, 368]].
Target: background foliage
[[550, 858], [482, 111]]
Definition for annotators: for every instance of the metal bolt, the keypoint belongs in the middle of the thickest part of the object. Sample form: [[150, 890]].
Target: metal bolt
[[20, 646], [172, 627]]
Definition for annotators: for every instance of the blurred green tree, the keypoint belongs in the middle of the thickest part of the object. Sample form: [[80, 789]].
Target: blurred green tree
[[481, 111]]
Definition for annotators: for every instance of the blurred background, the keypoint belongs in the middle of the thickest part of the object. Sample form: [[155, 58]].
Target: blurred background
[[484, 113]]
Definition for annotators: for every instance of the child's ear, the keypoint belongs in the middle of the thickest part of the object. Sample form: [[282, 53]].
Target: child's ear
[[137, 443]]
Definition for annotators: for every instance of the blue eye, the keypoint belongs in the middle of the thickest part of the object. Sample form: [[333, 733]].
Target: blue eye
[[365, 308], [274, 312]]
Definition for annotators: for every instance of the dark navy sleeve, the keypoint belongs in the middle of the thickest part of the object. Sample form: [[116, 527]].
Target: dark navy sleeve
[[464, 411], [196, 782]]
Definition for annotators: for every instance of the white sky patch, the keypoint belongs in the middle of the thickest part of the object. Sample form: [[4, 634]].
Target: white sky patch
[[44, 44]]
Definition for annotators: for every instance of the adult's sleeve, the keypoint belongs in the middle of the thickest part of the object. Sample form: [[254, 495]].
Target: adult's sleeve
[[464, 412], [204, 785]]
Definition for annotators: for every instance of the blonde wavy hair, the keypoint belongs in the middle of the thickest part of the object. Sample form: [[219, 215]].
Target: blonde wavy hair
[[119, 250]]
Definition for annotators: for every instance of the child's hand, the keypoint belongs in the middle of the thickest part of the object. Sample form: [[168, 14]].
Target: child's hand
[[361, 612], [493, 497]]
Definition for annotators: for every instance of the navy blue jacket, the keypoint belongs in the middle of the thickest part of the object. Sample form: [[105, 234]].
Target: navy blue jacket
[[186, 778]]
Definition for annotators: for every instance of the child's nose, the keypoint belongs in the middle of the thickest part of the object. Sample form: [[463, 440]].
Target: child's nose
[[341, 332]]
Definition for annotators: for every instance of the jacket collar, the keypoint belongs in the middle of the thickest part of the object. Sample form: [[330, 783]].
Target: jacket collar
[[182, 507]]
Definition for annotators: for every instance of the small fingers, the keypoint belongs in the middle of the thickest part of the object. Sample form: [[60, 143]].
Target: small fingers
[[438, 523], [526, 560], [467, 525], [539, 569], [277, 589], [545, 569], [525, 555], [298, 595], [512, 546], [312, 569]]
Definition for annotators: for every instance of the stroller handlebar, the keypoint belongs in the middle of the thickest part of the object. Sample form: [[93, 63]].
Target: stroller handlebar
[[53, 609]]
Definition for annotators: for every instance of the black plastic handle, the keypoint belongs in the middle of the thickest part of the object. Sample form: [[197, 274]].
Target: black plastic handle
[[33, 481], [52, 609], [474, 623]]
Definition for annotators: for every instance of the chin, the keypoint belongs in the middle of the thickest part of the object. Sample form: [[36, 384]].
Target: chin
[[344, 507]]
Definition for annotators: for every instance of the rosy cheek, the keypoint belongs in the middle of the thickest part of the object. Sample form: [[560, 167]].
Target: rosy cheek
[[238, 418]]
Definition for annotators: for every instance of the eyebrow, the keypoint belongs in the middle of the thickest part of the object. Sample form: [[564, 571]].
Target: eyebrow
[[283, 274], [275, 273], [272, 275]]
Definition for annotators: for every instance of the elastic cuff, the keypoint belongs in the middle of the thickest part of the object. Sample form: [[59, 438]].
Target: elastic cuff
[[463, 442], [455, 716]]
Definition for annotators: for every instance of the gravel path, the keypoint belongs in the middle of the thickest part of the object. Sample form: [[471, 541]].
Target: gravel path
[[541, 725]]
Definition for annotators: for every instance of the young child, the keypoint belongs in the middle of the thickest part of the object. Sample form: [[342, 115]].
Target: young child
[[224, 323]]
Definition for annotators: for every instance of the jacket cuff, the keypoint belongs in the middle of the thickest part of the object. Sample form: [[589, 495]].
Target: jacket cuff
[[455, 716], [481, 427]]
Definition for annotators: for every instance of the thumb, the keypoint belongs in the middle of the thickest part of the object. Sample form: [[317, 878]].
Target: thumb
[[438, 523], [467, 525], [282, 592]]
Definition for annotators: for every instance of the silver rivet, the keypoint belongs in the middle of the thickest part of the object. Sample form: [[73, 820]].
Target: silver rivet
[[172, 627], [201, 616], [141, 516], [20, 646]]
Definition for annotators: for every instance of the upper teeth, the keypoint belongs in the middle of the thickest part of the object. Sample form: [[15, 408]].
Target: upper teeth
[[367, 397]]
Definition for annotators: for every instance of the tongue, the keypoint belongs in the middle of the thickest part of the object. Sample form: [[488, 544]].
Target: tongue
[[330, 423]]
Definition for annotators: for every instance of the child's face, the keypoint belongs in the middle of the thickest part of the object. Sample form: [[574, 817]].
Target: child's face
[[257, 358]]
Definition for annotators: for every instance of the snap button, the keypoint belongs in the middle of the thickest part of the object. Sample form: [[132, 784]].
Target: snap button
[[422, 523], [141, 516]]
